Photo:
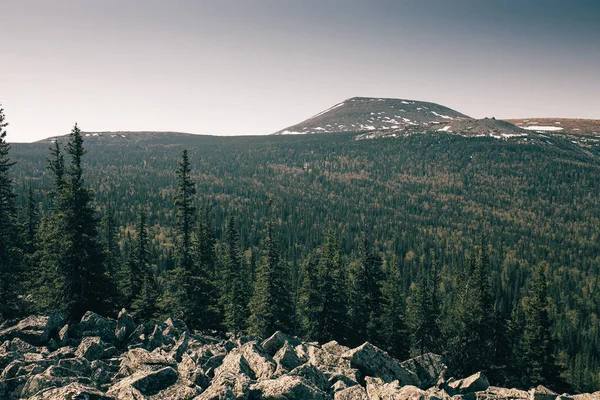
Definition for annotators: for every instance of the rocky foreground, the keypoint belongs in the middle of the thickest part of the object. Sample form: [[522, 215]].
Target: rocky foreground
[[41, 357]]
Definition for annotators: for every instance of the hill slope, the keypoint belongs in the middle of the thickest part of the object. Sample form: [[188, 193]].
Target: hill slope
[[360, 114]]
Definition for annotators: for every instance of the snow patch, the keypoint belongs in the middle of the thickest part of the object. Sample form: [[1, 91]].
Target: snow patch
[[543, 128]]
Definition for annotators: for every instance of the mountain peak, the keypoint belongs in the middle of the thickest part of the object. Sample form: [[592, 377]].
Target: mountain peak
[[364, 114]]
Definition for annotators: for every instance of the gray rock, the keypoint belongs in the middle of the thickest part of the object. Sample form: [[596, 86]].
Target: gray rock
[[227, 385], [374, 362], [274, 343], [235, 363], [286, 387], [475, 383], [147, 383], [73, 391], [287, 358], [35, 330], [428, 368], [125, 325], [180, 347], [542, 393], [377, 389], [93, 324], [90, 348], [355, 392], [80, 365], [262, 365]]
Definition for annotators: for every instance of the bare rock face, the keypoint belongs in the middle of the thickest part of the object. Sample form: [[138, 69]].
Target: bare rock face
[[100, 358]]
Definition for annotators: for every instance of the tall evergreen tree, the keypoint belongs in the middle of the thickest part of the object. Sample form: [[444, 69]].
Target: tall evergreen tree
[[310, 298], [271, 306], [71, 252], [30, 222], [110, 242], [393, 322], [472, 334], [424, 311], [234, 297], [332, 286], [10, 256], [191, 294], [365, 295], [537, 344], [138, 262]]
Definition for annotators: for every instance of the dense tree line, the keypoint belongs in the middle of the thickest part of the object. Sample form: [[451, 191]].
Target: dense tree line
[[207, 273]]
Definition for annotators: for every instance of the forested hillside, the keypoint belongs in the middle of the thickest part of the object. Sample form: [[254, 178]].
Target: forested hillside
[[481, 249]]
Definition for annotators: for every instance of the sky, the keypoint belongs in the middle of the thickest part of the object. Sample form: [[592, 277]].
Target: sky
[[242, 67]]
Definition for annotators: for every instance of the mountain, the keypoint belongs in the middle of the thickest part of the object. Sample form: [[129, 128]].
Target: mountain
[[125, 136], [360, 114]]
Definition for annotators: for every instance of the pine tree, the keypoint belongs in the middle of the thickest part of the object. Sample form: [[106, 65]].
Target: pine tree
[[393, 321], [424, 312], [138, 262], [190, 293], [71, 254], [472, 334], [310, 299], [10, 257], [366, 296], [271, 306], [30, 222], [234, 297], [184, 200], [537, 343], [332, 286]]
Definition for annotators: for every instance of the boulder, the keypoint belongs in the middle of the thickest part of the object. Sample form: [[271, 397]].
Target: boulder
[[286, 358], [90, 348], [274, 343], [587, 396], [335, 348], [285, 387], [53, 377], [73, 391], [227, 385], [12, 388], [475, 383], [125, 325], [93, 324], [428, 368], [374, 362], [236, 364], [494, 392], [147, 383], [35, 330], [180, 347], [377, 389], [355, 392], [260, 362], [143, 360], [80, 365], [179, 392], [542, 393], [18, 345], [312, 375]]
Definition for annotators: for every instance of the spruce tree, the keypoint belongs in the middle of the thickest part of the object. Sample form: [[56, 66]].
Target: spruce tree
[[332, 286], [393, 322], [110, 242], [424, 311], [234, 297], [310, 298], [85, 282], [271, 306], [471, 338], [190, 293], [138, 262], [537, 343], [365, 295], [10, 256]]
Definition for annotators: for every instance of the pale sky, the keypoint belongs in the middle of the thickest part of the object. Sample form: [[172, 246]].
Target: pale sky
[[237, 67]]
